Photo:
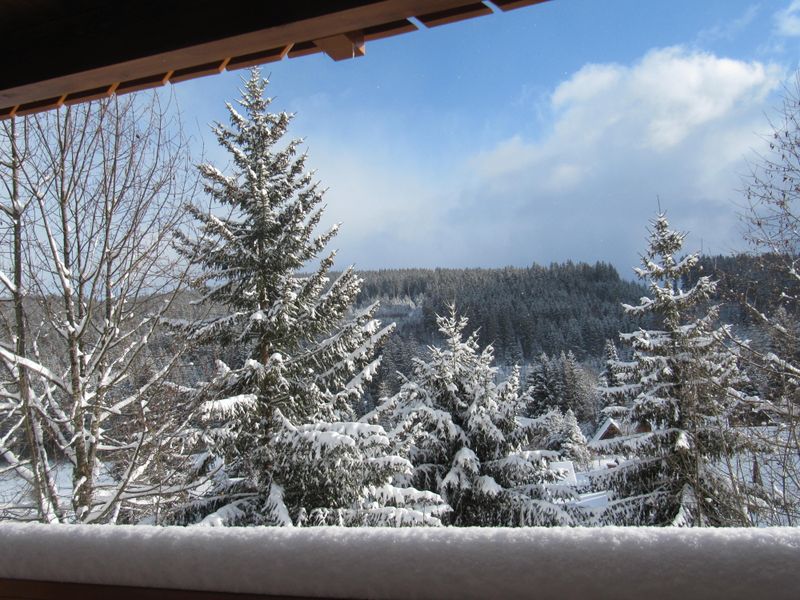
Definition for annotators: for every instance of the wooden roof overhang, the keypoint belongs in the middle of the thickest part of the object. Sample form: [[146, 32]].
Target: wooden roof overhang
[[69, 51]]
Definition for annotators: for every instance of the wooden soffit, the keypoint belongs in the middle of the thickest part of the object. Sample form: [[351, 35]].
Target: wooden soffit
[[68, 51]]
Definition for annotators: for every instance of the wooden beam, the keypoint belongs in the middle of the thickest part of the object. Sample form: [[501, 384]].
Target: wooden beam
[[366, 14], [69, 54], [342, 46], [304, 49], [458, 13], [385, 30], [87, 95], [211, 68], [143, 83], [512, 4], [39, 106], [257, 58]]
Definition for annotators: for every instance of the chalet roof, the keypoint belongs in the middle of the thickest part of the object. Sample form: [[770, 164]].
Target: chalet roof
[[63, 52], [609, 428]]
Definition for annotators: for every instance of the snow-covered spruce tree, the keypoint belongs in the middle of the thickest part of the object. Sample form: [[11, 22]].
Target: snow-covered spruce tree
[[545, 385], [462, 433], [559, 433], [280, 437], [686, 380], [580, 394], [559, 382], [571, 443], [615, 387]]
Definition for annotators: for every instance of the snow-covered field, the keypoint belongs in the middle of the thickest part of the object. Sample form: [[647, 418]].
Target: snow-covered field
[[613, 562]]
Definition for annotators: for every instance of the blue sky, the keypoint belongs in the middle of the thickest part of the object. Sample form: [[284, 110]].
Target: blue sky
[[543, 134]]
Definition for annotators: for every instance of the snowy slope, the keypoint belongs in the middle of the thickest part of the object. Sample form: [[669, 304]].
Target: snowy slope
[[414, 563]]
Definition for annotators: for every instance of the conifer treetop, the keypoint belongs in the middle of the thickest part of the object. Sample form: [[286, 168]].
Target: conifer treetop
[[663, 270]]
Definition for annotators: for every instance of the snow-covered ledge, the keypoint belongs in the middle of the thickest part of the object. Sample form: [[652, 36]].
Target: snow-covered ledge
[[412, 563]]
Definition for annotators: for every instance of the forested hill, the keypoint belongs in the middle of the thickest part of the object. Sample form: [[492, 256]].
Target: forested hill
[[521, 311]]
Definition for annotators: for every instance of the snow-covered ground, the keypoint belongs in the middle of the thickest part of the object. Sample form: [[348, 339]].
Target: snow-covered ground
[[414, 563], [8, 486], [15, 499], [777, 471], [15, 493]]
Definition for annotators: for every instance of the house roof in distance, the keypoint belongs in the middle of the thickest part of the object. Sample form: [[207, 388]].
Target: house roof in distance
[[68, 52], [608, 429]]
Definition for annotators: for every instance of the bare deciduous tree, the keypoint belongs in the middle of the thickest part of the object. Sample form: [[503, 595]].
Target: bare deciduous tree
[[772, 219], [92, 197]]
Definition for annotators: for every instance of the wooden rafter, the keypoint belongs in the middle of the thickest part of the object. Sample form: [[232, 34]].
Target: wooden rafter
[[73, 56]]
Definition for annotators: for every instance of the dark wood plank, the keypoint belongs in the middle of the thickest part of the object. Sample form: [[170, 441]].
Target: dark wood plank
[[69, 50], [143, 83], [385, 30], [211, 68], [21, 589], [513, 4], [304, 49], [94, 94], [39, 106], [258, 58], [459, 13]]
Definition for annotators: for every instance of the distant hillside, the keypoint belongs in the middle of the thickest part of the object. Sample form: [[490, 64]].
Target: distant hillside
[[521, 311]]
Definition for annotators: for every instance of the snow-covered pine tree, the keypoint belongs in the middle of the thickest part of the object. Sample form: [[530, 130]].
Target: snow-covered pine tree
[[559, 433], [579, 394], [281, 437], [572, 394], [615, 389], [463, 436], [573, 442], [545, 385], [559, 382], [536, 383], [686, 381]]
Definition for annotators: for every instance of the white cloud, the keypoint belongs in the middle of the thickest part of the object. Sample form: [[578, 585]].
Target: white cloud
[[787, 21], [655, 105], [661, 100], [677, 124]]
